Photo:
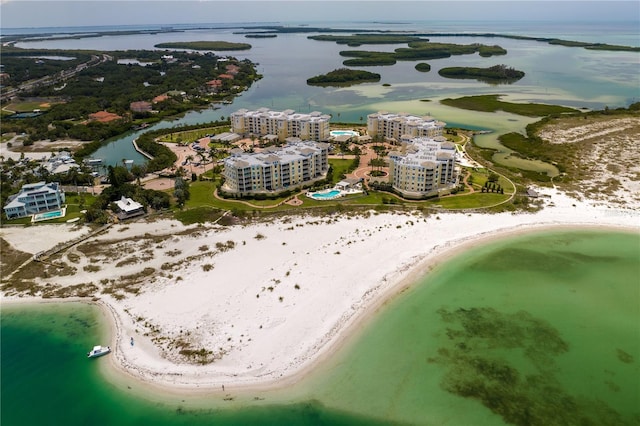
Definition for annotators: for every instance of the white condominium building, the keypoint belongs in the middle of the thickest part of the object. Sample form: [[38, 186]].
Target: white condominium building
[[276, 169], [283, 124], [403, 127], [423, 167]]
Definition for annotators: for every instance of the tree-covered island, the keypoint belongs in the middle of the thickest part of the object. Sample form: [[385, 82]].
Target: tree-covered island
[[494, 75], [261, 35], [343, 76], [418, 49], [204, 45]]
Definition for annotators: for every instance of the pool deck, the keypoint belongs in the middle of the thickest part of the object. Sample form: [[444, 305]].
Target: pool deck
[[341, 193], [40, 217]]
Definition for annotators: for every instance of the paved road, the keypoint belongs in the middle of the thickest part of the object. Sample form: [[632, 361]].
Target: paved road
[[55, 78]]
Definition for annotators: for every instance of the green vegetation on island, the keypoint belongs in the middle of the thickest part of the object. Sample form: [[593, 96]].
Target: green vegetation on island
[[423, 67], [355, 40], [362, 58], [377, 38], [494, 74], [426, 49], [204, 45], [343, 76], [261, 35], [491, 103], [356, 37], [419, 49]]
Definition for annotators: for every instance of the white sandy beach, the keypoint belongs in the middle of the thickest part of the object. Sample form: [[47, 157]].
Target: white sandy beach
[[286, 294]]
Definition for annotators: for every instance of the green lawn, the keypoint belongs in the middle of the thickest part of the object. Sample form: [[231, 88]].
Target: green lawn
[[201, 194], [480, 176], [473, 201], [193, 135], [340, 167], [27, 106]]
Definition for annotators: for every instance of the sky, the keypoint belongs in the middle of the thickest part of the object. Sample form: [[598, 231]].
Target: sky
[[63, 13]]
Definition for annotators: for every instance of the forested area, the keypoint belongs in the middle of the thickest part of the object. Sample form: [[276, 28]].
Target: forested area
[[112, 87], [494, 74], [343, 76], [22, 65]]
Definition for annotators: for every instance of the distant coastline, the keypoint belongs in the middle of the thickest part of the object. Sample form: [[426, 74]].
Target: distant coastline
[[266, 30]]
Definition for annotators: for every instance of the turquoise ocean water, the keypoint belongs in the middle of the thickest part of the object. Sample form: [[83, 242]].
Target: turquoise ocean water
[[537, 329]]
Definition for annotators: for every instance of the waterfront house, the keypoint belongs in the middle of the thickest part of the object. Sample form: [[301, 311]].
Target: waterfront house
[[35, 198], [128, 208]]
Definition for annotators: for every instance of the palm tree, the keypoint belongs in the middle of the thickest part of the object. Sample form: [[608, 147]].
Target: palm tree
[[190, 160], [212, 156]]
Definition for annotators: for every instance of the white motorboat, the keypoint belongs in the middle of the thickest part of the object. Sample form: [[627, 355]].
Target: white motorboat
[[98, 351]]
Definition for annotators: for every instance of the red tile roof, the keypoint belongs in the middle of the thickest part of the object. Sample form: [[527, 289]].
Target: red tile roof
[[104, 116]]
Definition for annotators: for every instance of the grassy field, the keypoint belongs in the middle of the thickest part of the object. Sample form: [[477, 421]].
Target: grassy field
[[29, 106], [473, 201], [193, 135]]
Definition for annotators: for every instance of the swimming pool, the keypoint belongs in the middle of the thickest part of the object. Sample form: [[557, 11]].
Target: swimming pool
[[344, 133], [325, 195], [49, 215]]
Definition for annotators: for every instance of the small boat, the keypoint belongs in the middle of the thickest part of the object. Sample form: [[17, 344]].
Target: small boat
[[98, 351]]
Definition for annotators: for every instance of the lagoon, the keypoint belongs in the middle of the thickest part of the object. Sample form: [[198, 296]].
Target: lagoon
[[561, 75], [557, 310]]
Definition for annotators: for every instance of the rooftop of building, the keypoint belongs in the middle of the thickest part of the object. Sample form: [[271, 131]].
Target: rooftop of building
[[287, 114], [271, 155]]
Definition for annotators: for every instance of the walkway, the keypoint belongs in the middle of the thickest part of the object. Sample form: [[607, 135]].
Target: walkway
[[44, 255], [362, 172]]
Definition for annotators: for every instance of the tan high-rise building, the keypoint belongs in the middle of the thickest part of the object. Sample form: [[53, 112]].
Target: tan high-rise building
[[423, 167], [282, 124], [402, 127], [276, 169]]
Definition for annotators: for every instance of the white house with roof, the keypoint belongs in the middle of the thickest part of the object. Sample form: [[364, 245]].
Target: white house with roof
[[35, 198], [276, 169], [129, 208]]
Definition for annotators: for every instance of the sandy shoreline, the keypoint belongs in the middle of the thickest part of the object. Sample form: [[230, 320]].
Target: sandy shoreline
[[328, 278]]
